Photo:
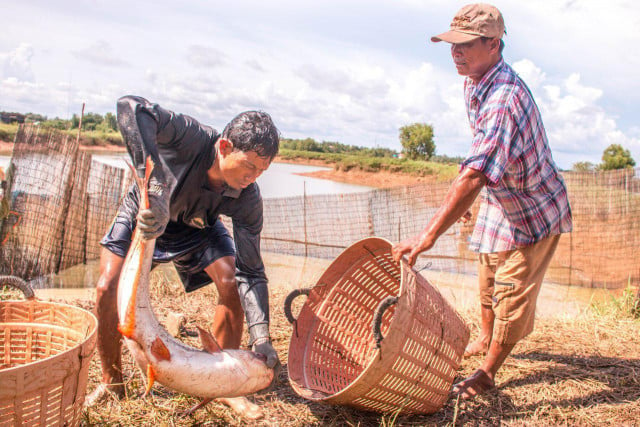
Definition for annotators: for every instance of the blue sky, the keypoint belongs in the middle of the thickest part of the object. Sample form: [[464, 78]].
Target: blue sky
[[347, 71]]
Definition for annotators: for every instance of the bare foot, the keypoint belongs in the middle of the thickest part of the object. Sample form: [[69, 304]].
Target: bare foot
[[479, 346], [243, 407], [116, 391], [476, 384]]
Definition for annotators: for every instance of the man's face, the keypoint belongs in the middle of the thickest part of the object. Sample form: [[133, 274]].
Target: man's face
[[473, 59], [239, 168]]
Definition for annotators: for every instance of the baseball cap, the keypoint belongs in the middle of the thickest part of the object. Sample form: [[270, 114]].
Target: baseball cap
[[473, 21]]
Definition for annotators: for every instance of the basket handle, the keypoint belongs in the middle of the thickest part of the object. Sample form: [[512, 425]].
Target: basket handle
[[289, 300], [17, 282], [376, 324]]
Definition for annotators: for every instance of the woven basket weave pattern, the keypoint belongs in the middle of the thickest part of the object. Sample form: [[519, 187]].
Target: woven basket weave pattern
[[333, 355], [45, 350]]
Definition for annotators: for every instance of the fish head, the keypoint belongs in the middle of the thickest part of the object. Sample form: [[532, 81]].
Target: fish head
[[258, 375]]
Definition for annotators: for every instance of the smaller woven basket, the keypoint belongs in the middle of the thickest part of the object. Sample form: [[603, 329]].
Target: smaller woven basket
[[375, 335], [45, 351]]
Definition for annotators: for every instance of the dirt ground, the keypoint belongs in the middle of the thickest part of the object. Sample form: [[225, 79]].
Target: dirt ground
[[379, 179], [6, 147], [579, 367]]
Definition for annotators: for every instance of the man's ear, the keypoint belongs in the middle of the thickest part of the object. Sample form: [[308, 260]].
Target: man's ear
[[225, 146], [495, 45]]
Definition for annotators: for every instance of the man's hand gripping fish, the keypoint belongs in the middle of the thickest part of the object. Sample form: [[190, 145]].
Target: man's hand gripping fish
[[209, 374]]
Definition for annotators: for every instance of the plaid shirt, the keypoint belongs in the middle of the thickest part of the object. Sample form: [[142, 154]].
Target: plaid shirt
[[525, 199]]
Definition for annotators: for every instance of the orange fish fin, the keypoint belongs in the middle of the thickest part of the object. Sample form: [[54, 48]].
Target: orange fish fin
[[124, 331], [209, 342], [160, 350], [151, 378]]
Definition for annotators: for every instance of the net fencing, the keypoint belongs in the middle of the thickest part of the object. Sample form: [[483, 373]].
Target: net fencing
[[59, 202]]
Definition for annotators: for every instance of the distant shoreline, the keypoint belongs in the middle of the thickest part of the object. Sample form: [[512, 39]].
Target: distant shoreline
[[380, 179], [6, 148]]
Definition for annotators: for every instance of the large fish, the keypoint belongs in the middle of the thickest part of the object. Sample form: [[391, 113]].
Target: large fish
[[209, 374]]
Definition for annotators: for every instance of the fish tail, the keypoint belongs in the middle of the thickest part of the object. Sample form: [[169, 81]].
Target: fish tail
[[127, 327], [143, 184], [147, 175]]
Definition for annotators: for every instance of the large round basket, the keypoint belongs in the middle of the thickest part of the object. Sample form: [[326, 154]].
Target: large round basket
[[45, 351], [375, 335]]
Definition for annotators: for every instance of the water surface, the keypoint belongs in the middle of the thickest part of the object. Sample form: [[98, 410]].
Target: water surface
[[280, 180]]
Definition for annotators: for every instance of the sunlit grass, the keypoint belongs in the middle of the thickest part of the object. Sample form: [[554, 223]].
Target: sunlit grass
[[625, 306], [346, 162]]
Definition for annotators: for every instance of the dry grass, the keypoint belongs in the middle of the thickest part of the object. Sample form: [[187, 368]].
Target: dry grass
[[579, 371]]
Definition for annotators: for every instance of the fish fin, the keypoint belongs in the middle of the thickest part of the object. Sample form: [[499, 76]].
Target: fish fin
[[195, 407], [160, 350], [209, 342], [151, 378]]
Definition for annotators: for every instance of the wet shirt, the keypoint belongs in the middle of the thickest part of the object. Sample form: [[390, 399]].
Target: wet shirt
[[186, 149], [525, 199]]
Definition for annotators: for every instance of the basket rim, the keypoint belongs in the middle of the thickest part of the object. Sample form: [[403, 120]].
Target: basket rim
[[88, 336]]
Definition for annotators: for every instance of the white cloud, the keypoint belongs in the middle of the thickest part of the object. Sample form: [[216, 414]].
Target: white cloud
[[205, 56], [17, 63], [530, 73], [578, 127], [328, 70], [101, 53]]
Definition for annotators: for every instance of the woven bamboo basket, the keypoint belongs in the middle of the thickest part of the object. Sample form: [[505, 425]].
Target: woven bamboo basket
[[374, 335], [45, 350]]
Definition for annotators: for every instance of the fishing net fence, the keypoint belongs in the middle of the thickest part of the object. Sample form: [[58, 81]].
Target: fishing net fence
[[58, 202]]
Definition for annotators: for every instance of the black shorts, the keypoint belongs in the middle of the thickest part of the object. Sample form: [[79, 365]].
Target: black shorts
[[190, 249]]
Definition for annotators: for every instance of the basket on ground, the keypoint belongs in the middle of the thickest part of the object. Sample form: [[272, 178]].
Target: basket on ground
[[334, 355], [45, 351]]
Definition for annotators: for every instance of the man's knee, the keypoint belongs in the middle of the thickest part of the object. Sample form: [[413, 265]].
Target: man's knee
[[228, 290], [110, 267], [223, 274]]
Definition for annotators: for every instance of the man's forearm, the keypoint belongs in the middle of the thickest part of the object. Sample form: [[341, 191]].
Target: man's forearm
[[457, 202], [254, 297], [138, 130]]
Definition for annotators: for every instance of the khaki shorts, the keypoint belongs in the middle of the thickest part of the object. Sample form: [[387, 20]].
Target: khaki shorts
[[509, 284]]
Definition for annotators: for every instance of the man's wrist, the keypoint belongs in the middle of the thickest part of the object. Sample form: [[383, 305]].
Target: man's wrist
[[261, 341], [259, 333]]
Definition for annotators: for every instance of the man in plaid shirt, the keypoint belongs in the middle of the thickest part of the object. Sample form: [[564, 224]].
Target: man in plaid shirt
[[524, 206]]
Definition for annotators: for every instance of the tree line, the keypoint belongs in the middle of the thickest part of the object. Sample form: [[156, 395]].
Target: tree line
[[416, 139], [615, 156], [90, 122]]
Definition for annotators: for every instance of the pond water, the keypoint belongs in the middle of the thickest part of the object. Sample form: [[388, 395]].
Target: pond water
[[280, 180]]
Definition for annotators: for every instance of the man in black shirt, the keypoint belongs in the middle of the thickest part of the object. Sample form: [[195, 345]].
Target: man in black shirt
[[199, 175]]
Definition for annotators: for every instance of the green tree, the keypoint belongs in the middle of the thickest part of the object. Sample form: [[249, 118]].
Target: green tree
[[33, 117], [417, 141], [90, 121], [616, 157], [111, 122], [583, 167]]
